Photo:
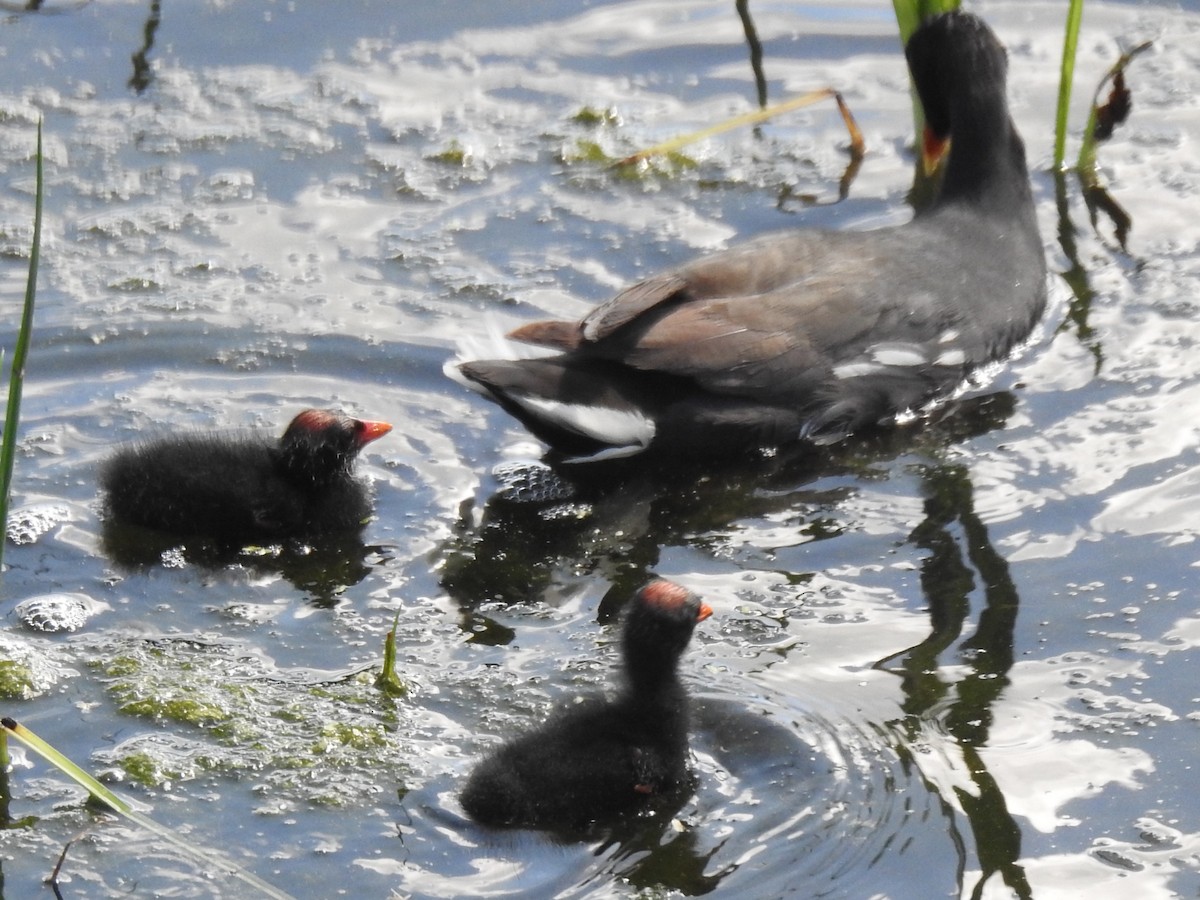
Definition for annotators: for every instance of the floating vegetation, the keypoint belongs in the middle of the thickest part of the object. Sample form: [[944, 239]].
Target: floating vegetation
[[595, 118], [247, 716], [16, 680], [454, 155], [136, 285], [388, 681], [670, 148], [586, 151], [667, 164]]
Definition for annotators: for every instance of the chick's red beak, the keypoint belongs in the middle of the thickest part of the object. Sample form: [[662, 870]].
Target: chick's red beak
[[370, 431], [703, 612]]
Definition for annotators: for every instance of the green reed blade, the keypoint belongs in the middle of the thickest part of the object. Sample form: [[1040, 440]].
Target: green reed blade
[[1066, 75], [8, 443]]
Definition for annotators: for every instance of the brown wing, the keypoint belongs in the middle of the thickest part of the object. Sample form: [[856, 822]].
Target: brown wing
[[759, 265], [745, 345], [767, 319], [607, 318], [756, 267]]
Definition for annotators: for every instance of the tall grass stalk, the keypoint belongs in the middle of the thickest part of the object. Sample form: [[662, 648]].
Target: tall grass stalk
[[1066, 76], [911, 13], [909, 16], [16, 379]]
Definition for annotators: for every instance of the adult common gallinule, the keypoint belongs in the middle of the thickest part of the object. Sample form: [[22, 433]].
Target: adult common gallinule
[[600, 758], [237, 488], [808, 334]]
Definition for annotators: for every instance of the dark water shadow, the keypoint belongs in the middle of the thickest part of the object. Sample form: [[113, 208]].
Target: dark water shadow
[[612, 521], [962, 561], [322, 569]]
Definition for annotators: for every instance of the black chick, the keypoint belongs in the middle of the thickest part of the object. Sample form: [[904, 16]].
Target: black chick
[[239, 488], [603, 758]]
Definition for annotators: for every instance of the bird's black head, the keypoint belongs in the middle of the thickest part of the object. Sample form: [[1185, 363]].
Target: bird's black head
[[320, 445], [957, 64], [658, 626]]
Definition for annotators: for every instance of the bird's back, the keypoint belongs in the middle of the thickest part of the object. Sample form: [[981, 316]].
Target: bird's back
[[592, 761]]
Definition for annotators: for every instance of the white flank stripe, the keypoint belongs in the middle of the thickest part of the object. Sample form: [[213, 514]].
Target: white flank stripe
[[623, 429], [856, 369], [608, 453], [898, 355]]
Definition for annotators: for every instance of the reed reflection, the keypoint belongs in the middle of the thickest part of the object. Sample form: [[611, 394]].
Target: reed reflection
[[545, 527], [962, 559], [1076, 278]]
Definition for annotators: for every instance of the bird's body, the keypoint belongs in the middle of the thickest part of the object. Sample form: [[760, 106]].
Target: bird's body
[[602, 758], [808, 334], [244, 487]]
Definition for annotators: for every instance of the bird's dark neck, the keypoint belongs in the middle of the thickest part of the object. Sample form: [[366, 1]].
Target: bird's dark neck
[[304, 467], [655, 687], [661, 710], [987, 162]]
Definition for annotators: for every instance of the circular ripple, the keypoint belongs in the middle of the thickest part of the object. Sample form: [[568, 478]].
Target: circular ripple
[[798, 809]]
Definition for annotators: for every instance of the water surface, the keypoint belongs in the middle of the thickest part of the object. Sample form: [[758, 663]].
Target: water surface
[[950, 661]]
